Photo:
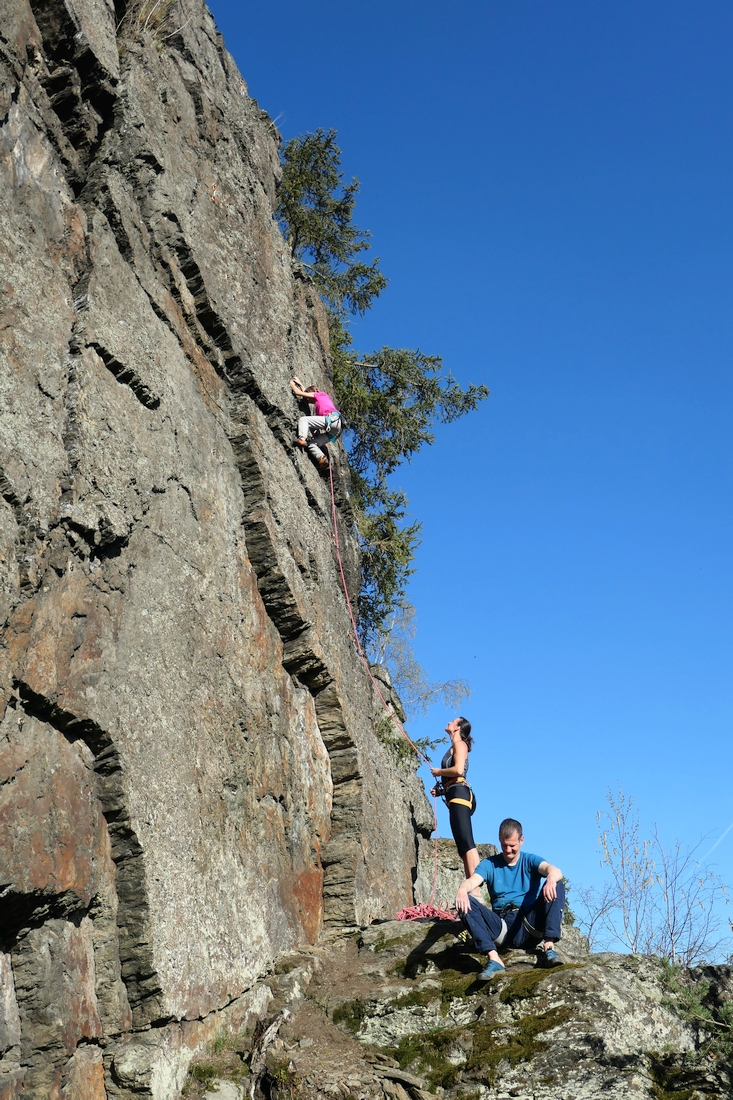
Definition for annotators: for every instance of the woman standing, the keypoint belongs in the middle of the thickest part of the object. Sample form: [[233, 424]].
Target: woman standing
[[458, 795]]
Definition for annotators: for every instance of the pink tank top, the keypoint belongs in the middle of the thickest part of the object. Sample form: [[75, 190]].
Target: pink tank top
[[323, 404]]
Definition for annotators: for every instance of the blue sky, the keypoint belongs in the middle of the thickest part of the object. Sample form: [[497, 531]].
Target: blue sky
[[549, 189]]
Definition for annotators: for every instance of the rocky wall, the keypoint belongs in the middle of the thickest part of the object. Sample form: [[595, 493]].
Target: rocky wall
[[190, 779]]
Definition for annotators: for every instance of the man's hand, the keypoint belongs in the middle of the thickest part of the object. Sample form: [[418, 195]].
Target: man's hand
[[549, 891], [462, 902], [553, 876]]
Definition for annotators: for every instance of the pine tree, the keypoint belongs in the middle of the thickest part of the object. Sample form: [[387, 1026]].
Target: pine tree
[[390, 399]]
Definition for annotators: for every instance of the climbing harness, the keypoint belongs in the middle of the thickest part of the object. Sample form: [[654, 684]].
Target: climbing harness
[[378, 690], [459, 801], [333, 427]]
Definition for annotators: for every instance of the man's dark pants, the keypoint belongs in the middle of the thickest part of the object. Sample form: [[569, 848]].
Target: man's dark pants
[[543, 918]]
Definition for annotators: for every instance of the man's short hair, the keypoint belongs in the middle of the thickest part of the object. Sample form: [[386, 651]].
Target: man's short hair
[[508, 827]]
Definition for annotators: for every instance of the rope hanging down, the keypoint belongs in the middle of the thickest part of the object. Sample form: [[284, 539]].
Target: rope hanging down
[[376, 686]]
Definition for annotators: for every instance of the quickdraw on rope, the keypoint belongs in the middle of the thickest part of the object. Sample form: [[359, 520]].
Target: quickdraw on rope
[[384, 702]]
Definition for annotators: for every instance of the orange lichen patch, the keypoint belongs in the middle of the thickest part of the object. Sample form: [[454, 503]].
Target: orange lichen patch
[[85, 1075], [18, 631], [76, 957], [308, 893], [52, 833]]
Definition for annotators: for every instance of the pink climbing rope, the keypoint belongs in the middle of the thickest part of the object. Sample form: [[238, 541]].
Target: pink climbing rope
[[423, 910], [378, 690]]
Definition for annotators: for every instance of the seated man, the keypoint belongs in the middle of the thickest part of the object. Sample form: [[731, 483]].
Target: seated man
[[522, 914]]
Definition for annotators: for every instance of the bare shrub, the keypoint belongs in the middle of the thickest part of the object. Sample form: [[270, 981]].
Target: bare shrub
[[658, 899]]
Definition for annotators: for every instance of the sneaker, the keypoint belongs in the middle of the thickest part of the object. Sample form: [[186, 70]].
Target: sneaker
[[547, 957], [491, 970]]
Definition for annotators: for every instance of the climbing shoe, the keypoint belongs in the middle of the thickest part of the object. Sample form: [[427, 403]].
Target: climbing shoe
[[323, 464], [302, 442], [547, 957], [491, 970], [464, 938]]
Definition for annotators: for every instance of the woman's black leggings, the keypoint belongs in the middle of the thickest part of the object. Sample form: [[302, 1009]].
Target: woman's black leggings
[[457, 796]]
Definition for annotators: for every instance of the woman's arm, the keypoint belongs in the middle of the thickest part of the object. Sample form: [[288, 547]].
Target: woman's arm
[[297, 387], [460, 752]]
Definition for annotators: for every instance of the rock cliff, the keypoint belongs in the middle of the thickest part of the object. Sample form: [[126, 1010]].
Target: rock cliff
[[395, 1012], [190, 779]]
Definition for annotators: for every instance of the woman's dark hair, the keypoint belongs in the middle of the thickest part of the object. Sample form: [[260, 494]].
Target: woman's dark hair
[[465, 727]]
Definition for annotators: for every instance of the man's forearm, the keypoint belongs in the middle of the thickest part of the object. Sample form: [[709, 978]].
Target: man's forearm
[[468, 884]]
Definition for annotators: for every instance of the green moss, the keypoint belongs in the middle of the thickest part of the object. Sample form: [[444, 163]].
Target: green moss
[[350, 1014], [400, 942], [523, 1044], [524, 984], [668, 1081], [224, 1058], [284, 966], [203, 1071], [416, 997], [455, 984], [280, 1082], [427, 1051]]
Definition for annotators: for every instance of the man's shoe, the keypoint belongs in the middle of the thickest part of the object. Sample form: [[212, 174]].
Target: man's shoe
[[302, 442], [547, 957], [491, 970], [323, 464]]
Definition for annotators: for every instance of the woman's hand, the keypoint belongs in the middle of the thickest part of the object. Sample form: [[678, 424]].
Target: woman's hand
[[435, 772]]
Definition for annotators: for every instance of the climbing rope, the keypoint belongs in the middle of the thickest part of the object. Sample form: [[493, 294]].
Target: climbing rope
[[425, 912], [376, 686]]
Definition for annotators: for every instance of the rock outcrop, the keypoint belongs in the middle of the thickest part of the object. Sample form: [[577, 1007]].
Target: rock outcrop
[[190, 782], [396, 1013]]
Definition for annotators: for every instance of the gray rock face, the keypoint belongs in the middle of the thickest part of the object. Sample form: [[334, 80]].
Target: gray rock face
[[446, 870], [191, 781]]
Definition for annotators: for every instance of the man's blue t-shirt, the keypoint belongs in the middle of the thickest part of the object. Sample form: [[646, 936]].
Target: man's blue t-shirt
[[511, 885]]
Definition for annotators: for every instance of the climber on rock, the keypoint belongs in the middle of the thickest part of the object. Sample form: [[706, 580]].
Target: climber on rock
[[322, 428], [525, 912], [459, 798]]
